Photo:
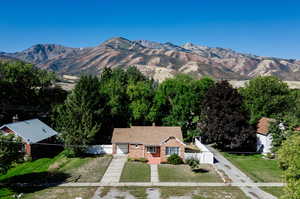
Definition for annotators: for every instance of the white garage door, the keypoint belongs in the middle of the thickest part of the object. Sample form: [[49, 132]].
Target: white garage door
[[122, 148]]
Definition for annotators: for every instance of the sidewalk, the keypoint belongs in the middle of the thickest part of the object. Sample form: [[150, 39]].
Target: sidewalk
[[154, 173]]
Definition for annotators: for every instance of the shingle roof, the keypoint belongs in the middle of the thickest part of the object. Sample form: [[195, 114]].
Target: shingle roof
[[263, 125], [31, 131], [147, 135]]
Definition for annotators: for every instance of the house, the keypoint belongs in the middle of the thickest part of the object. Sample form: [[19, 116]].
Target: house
[[35, 136], [154, 143], [264, 139]]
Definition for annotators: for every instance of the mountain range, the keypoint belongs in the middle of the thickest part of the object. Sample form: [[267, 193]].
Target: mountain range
[[157, 60]]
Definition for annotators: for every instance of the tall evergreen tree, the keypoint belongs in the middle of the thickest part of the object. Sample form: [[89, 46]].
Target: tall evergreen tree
[[80, 118], [224, 121]]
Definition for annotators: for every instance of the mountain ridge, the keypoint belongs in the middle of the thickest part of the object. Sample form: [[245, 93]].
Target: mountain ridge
[[197, 60]]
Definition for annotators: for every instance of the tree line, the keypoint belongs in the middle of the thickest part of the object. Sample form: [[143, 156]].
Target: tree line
[[203, 107]]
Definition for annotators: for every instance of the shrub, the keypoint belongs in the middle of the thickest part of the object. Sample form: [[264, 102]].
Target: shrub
[[193, 163], [144, 160], [174, 159]]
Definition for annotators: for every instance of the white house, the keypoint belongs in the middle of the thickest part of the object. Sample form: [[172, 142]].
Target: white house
[[264, 139]]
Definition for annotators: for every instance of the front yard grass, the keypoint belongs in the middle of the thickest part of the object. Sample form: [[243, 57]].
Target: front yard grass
[[135, 172], [62, 193], [183, 173], [275, 191], [57, 169], [256, 167]]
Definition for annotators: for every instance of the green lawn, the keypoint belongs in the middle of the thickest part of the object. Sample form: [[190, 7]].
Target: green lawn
[[136, 172], [183, 173], [256, 167], [275, 191], [57, 169], [62, 193]]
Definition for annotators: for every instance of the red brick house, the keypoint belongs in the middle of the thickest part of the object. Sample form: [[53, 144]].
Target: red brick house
[[154, 143], [35, 136]]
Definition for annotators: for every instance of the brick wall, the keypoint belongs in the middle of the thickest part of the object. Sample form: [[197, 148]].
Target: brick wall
[[136, 151], [171, 142]]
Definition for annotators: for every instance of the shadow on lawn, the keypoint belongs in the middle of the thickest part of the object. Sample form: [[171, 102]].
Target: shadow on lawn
[[200, 170], [32, 182]]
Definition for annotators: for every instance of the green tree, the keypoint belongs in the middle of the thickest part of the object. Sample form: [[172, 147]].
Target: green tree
[[289, 160], [178, 101], [266, 97], [25, 75], [224, 121], [9, 151], [141, 97], [80, 118], [22, 89]]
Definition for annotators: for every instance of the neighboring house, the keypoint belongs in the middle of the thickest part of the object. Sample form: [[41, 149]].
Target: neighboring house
[[34, 135], [154, 143], [264, 139], [297, 128]]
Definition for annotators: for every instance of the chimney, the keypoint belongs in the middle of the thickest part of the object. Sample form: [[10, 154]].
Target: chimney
[[15, 118]]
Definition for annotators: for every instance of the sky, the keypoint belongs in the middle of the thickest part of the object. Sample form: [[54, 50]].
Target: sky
[[261, 27]]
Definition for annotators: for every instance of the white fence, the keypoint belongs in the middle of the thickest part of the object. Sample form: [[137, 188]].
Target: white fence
[[204, 157], [99, 149]]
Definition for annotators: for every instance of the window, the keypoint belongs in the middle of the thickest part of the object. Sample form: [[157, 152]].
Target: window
[[172, 150], [151, 149]]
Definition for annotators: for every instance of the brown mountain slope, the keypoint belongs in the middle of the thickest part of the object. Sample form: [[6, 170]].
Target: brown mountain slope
[[153, 58]]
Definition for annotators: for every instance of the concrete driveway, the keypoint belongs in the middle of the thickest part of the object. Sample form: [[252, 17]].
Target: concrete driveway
[[114, 170], [237, 176]]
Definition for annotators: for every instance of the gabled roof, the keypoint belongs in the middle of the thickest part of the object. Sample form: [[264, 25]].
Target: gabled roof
[[263, 125], [147, 135], [31, 131]]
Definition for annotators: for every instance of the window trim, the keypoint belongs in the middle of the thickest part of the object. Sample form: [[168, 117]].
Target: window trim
[[151, 147], [178, 150]]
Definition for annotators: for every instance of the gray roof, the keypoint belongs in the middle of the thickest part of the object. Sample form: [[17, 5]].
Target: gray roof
[[31, 131]]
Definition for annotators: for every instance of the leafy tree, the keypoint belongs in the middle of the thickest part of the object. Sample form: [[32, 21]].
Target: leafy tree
[[266, 97], [289, 160], [113, 83], [80, 118], [25, 75], [177, 101], [9, 151], [129, 92], [141, 97], [224, 121], [22, 91]]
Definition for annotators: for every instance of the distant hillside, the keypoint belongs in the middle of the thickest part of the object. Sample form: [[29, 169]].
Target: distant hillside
[[158, 60]]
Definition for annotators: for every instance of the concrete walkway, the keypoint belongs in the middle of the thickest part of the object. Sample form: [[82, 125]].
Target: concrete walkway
[[237, 176], [114, 171], [154, 173]]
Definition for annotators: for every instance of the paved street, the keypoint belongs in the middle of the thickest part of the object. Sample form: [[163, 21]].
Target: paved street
[[237, 176]]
